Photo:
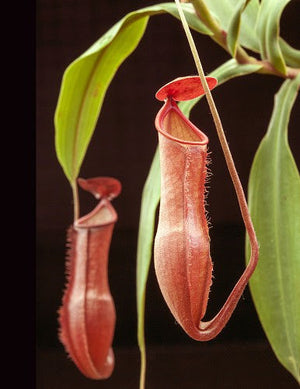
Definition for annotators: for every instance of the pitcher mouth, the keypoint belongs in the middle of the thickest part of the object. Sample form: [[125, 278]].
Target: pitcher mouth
[[102, 215], [172, 123]]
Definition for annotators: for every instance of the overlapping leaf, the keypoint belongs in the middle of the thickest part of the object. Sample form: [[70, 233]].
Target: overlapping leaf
[[224, 13], [274, 202]]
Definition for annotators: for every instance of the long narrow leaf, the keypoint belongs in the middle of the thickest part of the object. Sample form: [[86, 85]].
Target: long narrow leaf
[[86, 80], [150, 200], [234, 28], [83, 88], [268, 24], [274, 202]]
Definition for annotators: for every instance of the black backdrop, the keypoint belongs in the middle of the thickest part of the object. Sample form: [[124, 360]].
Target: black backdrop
[[123, 146]]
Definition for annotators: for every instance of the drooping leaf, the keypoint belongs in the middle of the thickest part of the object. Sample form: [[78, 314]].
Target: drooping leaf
[[86, 80], [150, 200], [274, 203], [234, 27], [268, 32], [83, 88]]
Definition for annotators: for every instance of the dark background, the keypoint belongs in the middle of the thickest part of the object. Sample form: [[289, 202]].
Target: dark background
[[123, 146]]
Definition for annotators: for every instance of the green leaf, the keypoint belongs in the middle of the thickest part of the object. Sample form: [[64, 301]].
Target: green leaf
[[268, 25], [83, 88], [86, 80], [232, 69], [223, 13], [248, 37], [225, 72], [274, 203], [234, 27], [150, 200]]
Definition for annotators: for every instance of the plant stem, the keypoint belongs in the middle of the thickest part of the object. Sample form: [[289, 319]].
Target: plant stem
[[224, 144], [75, 200], [143, 368]]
